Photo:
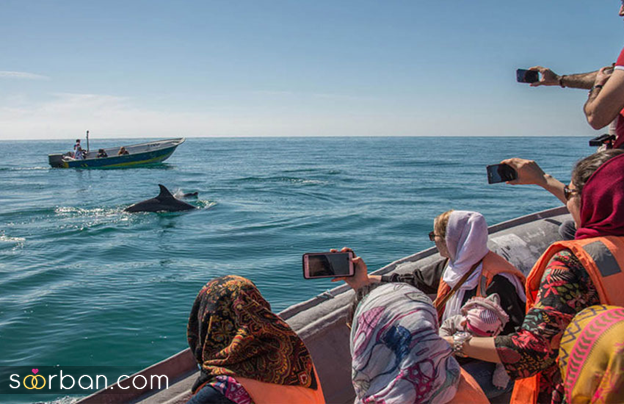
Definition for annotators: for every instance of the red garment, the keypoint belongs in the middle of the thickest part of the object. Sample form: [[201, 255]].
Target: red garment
[[602, 201], [619, 125]]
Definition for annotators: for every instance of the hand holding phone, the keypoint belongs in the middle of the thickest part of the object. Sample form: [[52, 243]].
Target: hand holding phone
[[500, 173], [527, 76], [328, 265]]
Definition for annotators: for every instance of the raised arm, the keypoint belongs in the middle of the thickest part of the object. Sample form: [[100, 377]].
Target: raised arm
[[606, 98], [361, 277], [549, 78], [530, 173]]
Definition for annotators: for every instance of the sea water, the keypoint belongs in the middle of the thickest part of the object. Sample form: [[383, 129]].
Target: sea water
[[84, 283]]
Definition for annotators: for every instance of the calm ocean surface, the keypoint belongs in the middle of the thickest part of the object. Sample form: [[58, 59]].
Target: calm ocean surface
[[83, 283]]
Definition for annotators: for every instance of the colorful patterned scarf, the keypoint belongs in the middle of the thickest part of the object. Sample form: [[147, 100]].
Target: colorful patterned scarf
[[591, 356], [232, 331], [397, 355]]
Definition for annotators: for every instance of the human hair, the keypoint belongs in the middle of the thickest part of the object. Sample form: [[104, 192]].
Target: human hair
[[440, 223], [584, 169]]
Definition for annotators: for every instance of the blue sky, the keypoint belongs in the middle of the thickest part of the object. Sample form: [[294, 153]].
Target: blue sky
[[296, 68]]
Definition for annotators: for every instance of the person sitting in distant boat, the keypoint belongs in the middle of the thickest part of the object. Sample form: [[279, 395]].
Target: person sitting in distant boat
[[122, 151], [245, 351], [102, 153], [80, 153]]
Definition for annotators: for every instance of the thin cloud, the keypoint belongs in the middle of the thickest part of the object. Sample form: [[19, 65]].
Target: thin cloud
[[22, 76]]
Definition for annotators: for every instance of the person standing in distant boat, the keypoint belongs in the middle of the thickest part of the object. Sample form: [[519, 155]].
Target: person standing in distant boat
[[77, 148]]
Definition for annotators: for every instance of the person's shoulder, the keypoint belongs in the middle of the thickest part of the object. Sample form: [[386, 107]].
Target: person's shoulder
[[620, 60], [565, 258]]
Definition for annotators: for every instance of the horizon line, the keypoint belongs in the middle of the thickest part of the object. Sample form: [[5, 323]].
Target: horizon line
[[292, 137]]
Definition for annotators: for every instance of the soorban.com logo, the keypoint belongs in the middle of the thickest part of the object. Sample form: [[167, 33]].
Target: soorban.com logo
[[32, 382], [76, 381]]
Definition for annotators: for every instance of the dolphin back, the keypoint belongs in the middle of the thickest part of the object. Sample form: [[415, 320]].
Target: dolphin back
[[164, 202], [164, 193]]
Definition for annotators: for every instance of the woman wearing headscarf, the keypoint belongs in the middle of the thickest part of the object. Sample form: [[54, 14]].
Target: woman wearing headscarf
[[569, 277], [397, 354], [247, 354], [471, 270]]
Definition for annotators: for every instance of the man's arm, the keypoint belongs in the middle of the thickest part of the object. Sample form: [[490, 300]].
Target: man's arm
[[606, 98], [549, 78]]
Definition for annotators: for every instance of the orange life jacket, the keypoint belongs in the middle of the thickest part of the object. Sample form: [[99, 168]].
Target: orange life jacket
[[469, 391], [493, 264], [603, 259], [269, 393]]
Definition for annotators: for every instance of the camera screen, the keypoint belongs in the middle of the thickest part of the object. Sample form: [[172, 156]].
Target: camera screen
[[500, 173], [328, 264], [527, 76]]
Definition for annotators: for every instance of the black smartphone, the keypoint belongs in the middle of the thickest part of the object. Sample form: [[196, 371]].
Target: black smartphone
[[500, 173], [527, 76], [327, 265]]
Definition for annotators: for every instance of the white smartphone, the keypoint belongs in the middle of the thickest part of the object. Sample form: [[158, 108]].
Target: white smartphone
[[327, 265]]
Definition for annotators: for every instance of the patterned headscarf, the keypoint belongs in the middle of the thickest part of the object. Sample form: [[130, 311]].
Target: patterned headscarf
[[397, 354], [232, 331], [591, 356]]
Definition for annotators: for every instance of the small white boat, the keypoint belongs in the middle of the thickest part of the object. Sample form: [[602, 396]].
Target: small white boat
[[320, 321]]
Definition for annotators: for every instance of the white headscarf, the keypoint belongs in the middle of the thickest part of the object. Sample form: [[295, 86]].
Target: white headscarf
[[466, 240], [397, 355]]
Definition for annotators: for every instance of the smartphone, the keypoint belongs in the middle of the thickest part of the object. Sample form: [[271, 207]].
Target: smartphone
[[527, 76], [500, 173], [327, 265]]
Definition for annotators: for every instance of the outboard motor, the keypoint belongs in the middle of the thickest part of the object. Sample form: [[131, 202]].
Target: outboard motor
[[56, 160]]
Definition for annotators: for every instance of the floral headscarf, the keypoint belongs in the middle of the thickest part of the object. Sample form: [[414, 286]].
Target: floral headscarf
[[397, 354]]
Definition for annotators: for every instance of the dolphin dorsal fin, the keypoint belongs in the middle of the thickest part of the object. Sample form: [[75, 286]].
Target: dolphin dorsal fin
[[164, 192]]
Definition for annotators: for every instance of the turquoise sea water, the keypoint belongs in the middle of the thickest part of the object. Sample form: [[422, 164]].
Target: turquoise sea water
[[83, 283]]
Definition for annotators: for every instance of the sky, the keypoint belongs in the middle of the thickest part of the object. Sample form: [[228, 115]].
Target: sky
[[233, 68]]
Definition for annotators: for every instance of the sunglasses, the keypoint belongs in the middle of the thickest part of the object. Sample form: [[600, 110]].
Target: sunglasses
[[569, 193], [432, 235]]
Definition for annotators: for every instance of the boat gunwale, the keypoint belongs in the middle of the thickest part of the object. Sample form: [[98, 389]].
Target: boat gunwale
[[302, 306]]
